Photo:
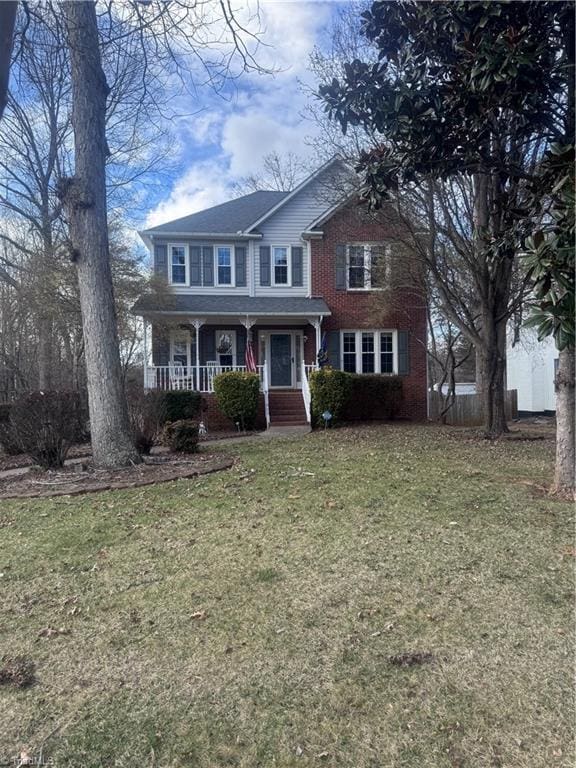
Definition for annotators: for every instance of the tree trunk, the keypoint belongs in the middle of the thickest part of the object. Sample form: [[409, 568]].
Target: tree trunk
[[491, 374], [564, 477], [45, 353], [84, 196]]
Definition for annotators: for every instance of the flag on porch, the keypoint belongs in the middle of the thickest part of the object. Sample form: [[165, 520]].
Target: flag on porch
[[323, 352], [249, 358]]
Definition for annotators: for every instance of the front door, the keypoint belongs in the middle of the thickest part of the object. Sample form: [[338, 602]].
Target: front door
[[281, 359]]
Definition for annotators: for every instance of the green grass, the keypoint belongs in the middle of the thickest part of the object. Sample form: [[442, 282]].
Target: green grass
[[315, 560]]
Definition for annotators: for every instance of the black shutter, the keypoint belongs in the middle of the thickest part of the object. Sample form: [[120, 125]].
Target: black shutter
[[297, 266], [161, 260], [333, 343], [264, 265], [403, 353], [240, 251], [160, 346], [207, 344], [208, 265], [340, 261], [195, 265]]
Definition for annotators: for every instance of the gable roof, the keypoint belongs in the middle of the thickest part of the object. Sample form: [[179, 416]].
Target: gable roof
[[336, 160], [238, 217], [232, 217]]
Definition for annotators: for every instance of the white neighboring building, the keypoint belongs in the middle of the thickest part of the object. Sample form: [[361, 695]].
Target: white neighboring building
[[530, 370]]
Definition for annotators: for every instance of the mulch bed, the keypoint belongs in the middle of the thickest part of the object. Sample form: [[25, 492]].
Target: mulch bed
[[84, 450], [82, 478], [23, 460]]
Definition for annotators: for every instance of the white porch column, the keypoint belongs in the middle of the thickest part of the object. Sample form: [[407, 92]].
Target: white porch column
[[318, 329], [198, 322], [145, 353]]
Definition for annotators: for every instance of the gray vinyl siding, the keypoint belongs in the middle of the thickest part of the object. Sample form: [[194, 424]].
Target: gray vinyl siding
[[203, 244], [285, 227]]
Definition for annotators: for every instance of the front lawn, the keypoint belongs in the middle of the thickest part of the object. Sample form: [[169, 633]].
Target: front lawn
[[266, 616]]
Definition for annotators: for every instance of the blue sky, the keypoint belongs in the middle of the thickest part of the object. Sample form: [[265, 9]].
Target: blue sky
[[229, 137]]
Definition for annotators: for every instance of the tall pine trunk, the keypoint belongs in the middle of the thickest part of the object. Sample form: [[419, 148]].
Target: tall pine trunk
[[84, 196], [564, 477]]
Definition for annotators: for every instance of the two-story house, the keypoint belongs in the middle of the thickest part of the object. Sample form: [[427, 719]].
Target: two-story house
[[284, 274]]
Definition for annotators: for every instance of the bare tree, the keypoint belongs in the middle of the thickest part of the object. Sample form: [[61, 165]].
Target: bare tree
[[279, 172], [195, 44], [7, 20], [447, 222]]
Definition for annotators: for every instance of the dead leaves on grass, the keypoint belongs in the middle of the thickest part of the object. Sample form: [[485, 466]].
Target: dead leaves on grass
[[411, 659], [18, 672], [53, 632]]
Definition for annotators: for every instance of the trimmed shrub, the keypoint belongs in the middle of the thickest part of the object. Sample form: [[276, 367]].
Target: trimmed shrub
[[330, 391], [181, 436], [237, 395], [373, 397], [7, 436], [45, 424], [146, 411], [180, 405]]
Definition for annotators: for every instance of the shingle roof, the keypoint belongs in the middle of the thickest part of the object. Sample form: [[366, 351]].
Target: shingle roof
[[231, 217], [231, 305]]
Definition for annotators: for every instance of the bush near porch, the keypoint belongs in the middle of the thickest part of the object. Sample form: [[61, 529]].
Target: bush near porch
[[354, 397], [237, 394]]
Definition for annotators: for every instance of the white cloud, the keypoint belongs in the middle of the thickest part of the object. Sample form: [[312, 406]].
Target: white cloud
[[264, 117], [202, 186]]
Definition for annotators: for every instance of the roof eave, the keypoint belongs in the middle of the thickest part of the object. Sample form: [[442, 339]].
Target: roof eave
[[224, 313], [229, 235]]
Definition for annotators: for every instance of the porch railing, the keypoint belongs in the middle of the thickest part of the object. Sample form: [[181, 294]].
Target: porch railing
[[265, 388], [306, 388], [199, 378]]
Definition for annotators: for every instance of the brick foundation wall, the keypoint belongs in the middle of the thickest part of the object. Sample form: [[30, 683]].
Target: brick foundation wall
[[402, 308], [215, 420]]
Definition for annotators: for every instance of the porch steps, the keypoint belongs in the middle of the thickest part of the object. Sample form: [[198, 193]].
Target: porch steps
[[287, 408]]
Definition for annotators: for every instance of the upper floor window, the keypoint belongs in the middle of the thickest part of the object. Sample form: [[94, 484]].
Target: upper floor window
[[369, 351], [224, 265], [280, 265], [178, 265], [366, 266]]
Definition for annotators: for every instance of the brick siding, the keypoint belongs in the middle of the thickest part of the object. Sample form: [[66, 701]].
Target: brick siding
[[402, 309]]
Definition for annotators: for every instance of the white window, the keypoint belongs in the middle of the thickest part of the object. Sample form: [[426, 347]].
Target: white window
[[226, 348], [349, 351], [178, 264], [280, 265], [369, 351], [182, 348], [224, 265], [386, 353], [367, 266]]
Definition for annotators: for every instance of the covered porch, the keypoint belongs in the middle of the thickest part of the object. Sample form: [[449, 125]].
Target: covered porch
[[278, 338]]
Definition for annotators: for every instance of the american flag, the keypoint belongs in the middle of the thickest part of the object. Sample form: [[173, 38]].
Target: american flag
[[249, 358]]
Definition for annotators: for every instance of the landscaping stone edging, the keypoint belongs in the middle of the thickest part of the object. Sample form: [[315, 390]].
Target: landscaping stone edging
[[215, 466]]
